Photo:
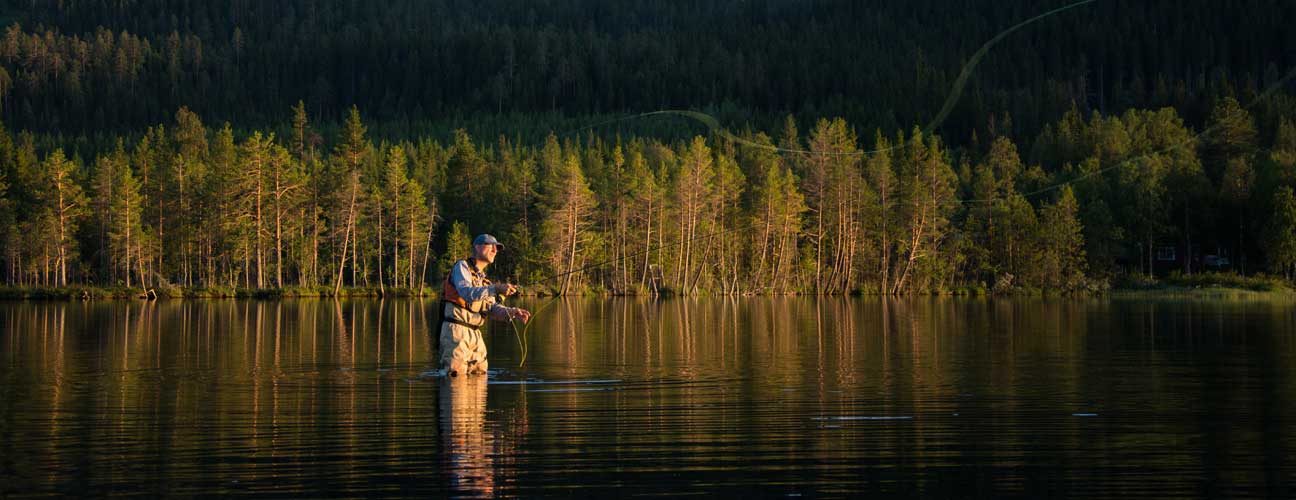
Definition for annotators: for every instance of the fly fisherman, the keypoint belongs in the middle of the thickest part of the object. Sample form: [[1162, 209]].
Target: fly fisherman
[[467, 297]]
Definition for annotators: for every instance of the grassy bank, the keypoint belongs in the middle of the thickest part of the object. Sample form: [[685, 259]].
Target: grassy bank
[[1206, 285]]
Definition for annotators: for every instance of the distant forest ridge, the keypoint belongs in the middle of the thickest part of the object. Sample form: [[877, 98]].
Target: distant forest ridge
[[90, 68]]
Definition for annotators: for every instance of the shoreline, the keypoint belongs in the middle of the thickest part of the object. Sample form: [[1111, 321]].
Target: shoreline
[[1202, 292], [71, 293]]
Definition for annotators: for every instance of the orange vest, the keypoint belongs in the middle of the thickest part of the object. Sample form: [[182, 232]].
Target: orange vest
[[449, 293]]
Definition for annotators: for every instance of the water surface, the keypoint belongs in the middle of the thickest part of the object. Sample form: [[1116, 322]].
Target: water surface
[[770, 397]]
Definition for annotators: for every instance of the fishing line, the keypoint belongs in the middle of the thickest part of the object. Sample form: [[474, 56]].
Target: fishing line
[[715, 127], [946, 108], [1186, 142], [522, 335], [950, 101]]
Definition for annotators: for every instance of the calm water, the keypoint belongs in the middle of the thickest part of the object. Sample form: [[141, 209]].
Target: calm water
[[769, 397]]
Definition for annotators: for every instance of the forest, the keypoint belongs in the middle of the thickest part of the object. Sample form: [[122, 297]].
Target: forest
[[317, 145]]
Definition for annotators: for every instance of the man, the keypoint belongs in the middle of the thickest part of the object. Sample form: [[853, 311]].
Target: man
[[467, 297]]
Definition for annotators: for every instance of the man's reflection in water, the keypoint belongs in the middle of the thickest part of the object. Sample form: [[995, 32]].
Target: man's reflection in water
[[468, 443]]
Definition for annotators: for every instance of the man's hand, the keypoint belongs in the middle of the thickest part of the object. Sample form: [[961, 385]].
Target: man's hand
[[505, 289], [519, 313]]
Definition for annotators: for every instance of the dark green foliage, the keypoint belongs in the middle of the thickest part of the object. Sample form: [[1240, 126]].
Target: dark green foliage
[[189, 206], [1094, 144], [426, 67]]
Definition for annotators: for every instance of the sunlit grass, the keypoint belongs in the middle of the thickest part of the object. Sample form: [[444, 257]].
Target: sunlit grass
[[1209, 285]]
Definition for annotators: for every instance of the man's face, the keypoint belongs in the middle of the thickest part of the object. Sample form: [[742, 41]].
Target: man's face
[[486, 253]]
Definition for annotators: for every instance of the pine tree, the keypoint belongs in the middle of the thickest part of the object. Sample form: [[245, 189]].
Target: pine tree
[[1006, 165], [567, 202], [458, 247], [835, 190], [645, 202], [419, 222], [980, 219], [1280, 236], [150, 157], [467, 177], [927, 187], [301, 133], [125, 232], [694, 201], [393, 199], [258, 156], [1283, 153], [1230, 134], [880, 172], [1012, 237], [350, 152], [286, 181], [222, 195], [1062, 242], [188, 169], [786, 206], [729, 182], [64, 202], [102, 183]]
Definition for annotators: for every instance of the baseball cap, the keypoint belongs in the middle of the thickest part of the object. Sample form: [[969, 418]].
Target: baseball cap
[[486, 239]]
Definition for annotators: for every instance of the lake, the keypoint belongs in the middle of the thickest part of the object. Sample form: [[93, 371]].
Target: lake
[[924, 397]]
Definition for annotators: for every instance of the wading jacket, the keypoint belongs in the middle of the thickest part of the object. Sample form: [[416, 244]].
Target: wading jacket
[[467, 296]]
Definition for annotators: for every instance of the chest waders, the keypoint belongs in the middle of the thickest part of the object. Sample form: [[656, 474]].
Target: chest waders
[[463, 350]]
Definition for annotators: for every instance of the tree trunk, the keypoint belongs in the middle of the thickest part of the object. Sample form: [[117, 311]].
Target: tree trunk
[[427, 250], [315, 244], [60, 267], [647, 242], [260, 261], [410, 247], [139, 261], [278, 234], [571, 255], [886, 241], [354, 259], [128, 247], [765, 243], [158, 266], [915, 239], [337, 286], [382, 290]]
